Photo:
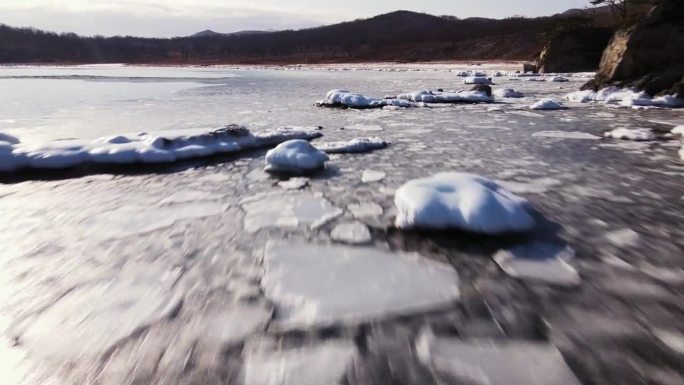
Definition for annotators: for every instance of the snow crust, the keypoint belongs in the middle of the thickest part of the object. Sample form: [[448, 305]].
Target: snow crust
[[461, 201], [624, 97], [507, 93], [354, 146], [295, 156], [427, 96], [321, 285], [547, 104], [636, 134], [160, 147]]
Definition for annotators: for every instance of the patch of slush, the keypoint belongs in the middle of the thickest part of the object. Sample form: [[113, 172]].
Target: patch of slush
[[427, 96], [489, 362], [341, 98], [320, 285], [547, 104], [461, 201], [540, 262], [636, 134], [295, 156], [287, 210], [566, 135], [325, 364], [624, 238], [351, 232], [624, 97], [370, 176], [507, 93], [94, 317], [354, 146], [162, 147]]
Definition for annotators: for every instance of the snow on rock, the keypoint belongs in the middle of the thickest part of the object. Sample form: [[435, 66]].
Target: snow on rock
[[477, 80], [507, 93], [427, 96], [370, 176], [542, 262], [296, 366], [295, 156], [547, 104], [352, 233], [557, 79], [461, 201], [354, 146], [636, 134], [322, 285], [455, 361], [160, 147], [346, 99], [287, 210], [624, 97], [566, 135]]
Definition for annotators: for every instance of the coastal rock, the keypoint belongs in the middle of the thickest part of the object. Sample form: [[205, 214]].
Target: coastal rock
[[574, 50]]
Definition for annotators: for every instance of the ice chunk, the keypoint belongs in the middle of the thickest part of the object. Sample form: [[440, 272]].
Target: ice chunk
[[295, 156], [370, 176], [547, 104], [543, 262], [488, 362], [287, 210], [341, 98], [636, 134], [354, 146], [319, 285], [461, 201], [294, 183], [351, 232], [477, 80], [447, 97], [566, 135], [325, 364], [507, 93], [557, 79]]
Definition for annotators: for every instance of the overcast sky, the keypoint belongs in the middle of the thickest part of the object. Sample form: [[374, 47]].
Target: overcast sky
[[183, 17]]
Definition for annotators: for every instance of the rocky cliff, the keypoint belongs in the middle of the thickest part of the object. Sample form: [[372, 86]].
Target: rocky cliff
[[574, 50], [648, 55]]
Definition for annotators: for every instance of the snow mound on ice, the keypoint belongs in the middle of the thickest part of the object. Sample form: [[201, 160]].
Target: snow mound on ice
[[624, 97], [636, 134], [507, 93], [160, 147], [341, 98], [354, 146], [547, 104], [461, 201], [477, 80], [427, 96], [295, 156]]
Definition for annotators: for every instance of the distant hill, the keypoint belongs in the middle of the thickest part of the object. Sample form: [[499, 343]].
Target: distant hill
[[396, 36]]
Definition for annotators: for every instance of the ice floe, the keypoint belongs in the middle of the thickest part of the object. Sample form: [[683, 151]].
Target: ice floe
[[547, 104], [566, 135], [351, 232], [354, 146], [319, 285], [325, 364], [294, 183], [541, 262], [370, 176], [461, 201], [287, 210], [427, 96], [624, 97], [507, 93], [159, 147], [477, 80], [295, 156], [455, 361], [341, 98], [636, 134]]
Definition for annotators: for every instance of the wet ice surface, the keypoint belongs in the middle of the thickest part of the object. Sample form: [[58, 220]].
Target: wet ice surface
[[144, 276]]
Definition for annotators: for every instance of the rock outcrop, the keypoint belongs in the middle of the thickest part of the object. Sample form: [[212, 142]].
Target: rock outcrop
[[574, 50], [648, 55]]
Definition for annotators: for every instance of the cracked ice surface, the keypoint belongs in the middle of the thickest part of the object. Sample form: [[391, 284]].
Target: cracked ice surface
[[287, 210], [324, 285]]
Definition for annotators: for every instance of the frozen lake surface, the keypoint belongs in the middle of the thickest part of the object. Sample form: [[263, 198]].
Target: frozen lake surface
[[212, 271]]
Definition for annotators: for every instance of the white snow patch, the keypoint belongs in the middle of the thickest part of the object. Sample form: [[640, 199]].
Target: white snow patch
[[461, 201], [507, 93], [351, 232], [547, 104], [286, 210], [624, 238], [426, 96], [542, 262], [624, 97], [295, 156], [354, 146], [679, 130], [477, 80], [565, 135], [370, 176], [636, 134], [351, 100], [319, 285]]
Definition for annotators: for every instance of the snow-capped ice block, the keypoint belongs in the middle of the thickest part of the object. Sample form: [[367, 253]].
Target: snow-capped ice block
[[341, 98], [636, 134], [426, 96], [323, 285], [354, 146], [547, 104], [461, 201], [159, 147], [295, 156], [477, 80], [507, 93]]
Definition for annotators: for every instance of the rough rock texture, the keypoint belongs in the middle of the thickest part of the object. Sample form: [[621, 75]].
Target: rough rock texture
[[648, 55], [574, 50]]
